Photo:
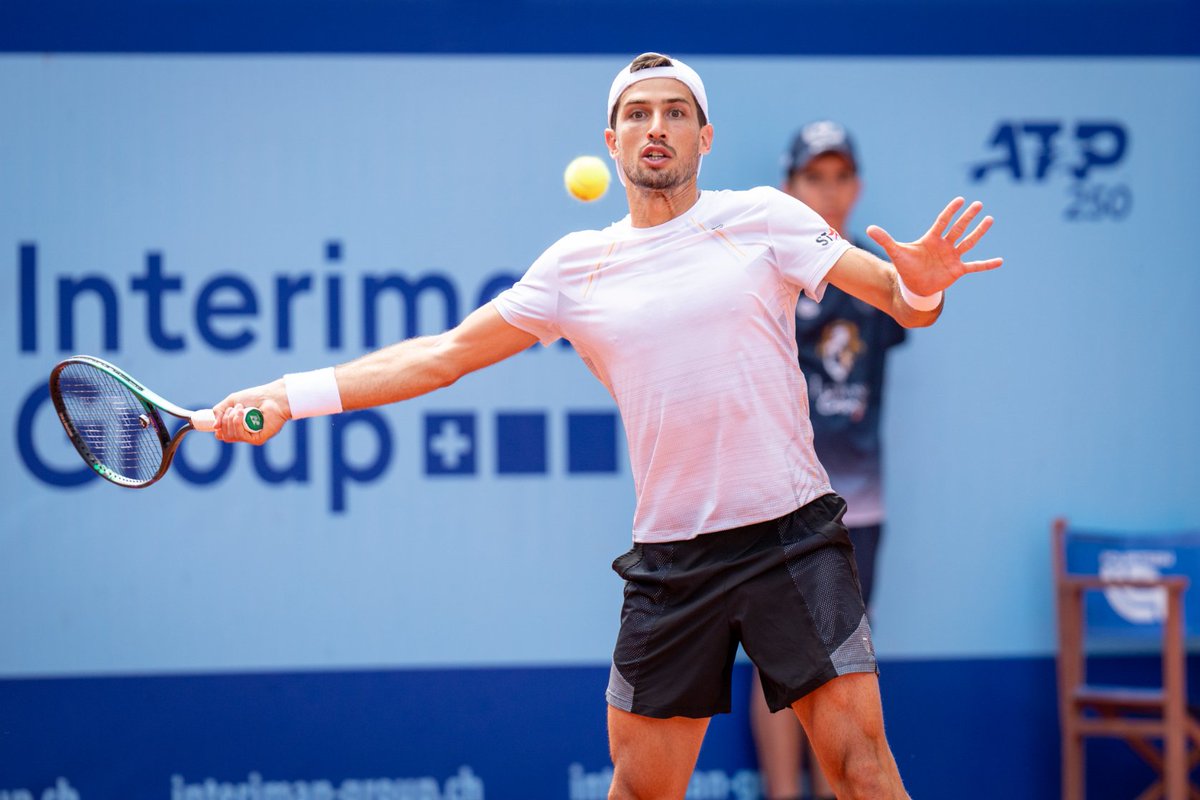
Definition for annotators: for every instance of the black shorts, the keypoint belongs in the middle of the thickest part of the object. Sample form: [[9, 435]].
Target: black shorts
[[786, 590]]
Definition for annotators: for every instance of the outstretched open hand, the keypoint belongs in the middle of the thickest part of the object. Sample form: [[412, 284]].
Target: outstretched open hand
[[935, 261]]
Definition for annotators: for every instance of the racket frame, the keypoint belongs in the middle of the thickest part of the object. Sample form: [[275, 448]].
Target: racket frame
[[151, 401]]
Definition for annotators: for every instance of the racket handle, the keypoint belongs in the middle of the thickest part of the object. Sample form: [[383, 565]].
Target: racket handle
[[206, 420]]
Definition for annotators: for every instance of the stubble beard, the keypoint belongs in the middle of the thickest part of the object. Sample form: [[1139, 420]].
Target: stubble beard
[[660, 180]]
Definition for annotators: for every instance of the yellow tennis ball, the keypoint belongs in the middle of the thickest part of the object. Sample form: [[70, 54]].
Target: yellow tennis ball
[[587, 178]]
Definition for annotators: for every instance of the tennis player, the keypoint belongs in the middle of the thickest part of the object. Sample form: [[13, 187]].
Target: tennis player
[[684, 309]]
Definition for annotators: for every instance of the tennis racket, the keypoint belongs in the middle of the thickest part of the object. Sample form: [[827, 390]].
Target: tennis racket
[[115, 424]]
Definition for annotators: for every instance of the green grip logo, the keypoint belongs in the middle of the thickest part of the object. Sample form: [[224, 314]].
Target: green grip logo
[[253, 420]]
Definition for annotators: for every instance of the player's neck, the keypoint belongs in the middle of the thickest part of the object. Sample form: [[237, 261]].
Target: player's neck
[[838, 224], [650, 207]]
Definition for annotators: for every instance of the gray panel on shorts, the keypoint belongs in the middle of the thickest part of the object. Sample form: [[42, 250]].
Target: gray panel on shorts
[[857, 653], [620, 691]]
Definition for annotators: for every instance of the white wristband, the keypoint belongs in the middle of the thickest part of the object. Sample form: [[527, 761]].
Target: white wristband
[[311, 394], [919, 302]]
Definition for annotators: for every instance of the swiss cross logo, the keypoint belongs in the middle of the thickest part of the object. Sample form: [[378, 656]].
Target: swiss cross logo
[[449, 444]]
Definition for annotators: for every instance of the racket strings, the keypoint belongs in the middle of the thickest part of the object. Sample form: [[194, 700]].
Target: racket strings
[[112, 421]]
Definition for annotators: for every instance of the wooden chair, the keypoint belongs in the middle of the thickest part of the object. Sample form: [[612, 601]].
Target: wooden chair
[[1139, 715]]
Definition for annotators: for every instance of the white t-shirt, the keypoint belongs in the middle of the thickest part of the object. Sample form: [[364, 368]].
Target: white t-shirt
[[691, 326]]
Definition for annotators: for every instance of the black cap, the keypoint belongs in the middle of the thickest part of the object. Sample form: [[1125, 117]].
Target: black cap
[[817, 139]]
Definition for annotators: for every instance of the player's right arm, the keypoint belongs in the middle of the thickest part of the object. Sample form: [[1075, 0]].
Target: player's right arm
[[417, 366], [397, 372]]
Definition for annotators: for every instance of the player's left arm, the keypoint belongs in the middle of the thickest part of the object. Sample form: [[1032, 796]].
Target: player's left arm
[[923, 268]]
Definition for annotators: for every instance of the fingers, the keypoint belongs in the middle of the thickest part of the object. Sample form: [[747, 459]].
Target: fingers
[[225, 413], [975, 235], [230, 414], [982, 266], [229, 402], [219, 409], [960, 226], [882, 238], [230, 424], [943, 219]]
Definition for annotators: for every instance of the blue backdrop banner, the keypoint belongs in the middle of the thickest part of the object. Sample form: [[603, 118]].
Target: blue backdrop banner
[[354, 605]]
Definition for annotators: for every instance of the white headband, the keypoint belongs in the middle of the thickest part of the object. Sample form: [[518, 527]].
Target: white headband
[[679, 71]]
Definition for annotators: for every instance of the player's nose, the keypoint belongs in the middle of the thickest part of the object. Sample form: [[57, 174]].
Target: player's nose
[[658, 126]]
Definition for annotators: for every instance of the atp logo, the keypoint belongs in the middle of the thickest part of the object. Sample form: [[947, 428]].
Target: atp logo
[[1034, 151], [1133, 604]]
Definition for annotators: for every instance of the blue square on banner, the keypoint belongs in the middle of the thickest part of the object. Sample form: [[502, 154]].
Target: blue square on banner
[[521, 444], [449, 444], [591, 441]]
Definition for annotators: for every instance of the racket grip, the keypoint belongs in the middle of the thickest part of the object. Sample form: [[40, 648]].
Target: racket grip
[[204, 420]]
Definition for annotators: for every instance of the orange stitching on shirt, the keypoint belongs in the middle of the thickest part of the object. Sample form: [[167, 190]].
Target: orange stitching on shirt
[[596, 269]]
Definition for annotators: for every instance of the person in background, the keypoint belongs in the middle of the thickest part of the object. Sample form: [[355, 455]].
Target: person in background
[[843, 344]]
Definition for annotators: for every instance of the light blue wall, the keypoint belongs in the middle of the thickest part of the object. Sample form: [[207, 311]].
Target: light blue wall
[[1061, 384]]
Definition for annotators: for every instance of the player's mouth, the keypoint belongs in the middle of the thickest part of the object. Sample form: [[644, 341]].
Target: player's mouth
[[656, 154]]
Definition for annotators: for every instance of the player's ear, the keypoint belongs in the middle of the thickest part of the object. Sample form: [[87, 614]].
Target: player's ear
[[706, 137], [610, 139], [785, 184]]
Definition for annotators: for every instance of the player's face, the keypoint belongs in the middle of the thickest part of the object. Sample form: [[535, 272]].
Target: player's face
[[828, 185], [657, 139]]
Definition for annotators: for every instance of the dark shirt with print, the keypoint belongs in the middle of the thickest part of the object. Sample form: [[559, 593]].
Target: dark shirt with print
[[843, 345]]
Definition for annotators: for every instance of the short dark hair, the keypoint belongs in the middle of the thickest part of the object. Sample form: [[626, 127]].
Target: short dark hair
[[648, 61]]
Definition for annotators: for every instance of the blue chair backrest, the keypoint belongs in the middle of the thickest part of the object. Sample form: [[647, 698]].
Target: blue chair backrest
[[1135, 612]]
